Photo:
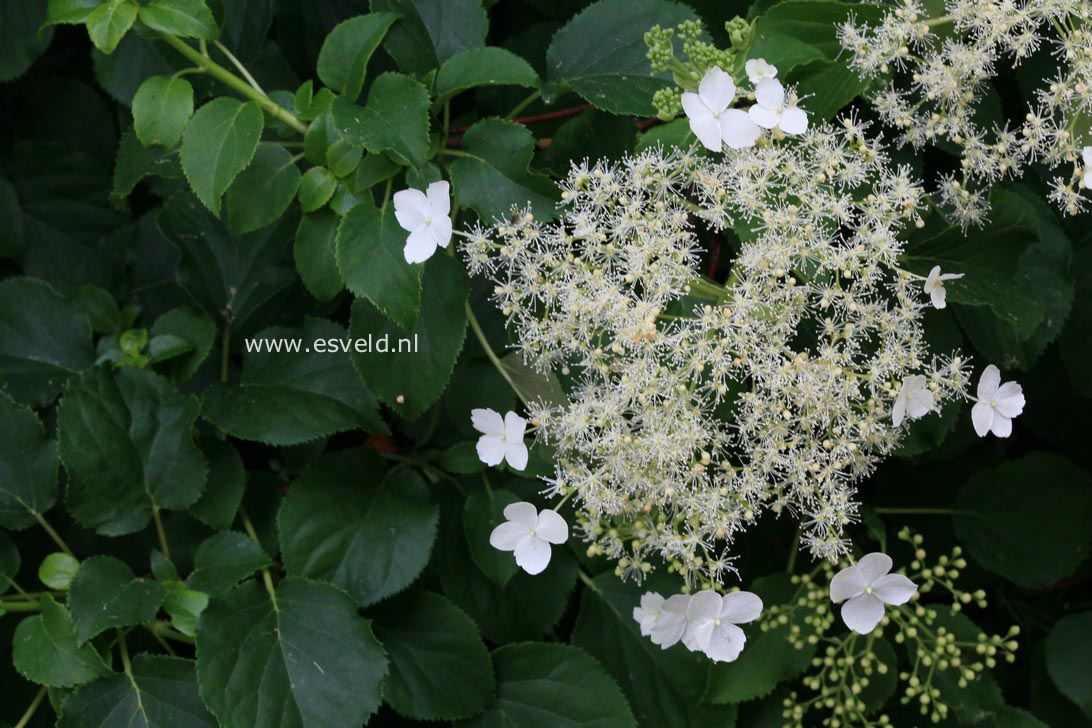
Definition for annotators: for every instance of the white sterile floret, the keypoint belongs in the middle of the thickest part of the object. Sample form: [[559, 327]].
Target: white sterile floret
[[712, 622], [426, 216], [1086, 156], [934, 286], [502, 438], [650, 610], [713, 123], [914, 400], [865, 588], [997, 404], [670, 624], [771, 112], [529, 532], [758, 70]]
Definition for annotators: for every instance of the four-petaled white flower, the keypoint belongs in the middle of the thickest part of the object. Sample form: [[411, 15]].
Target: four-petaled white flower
[[529, 532], [712, 619], [502, 438], [865, 588], [426, 216], [914, 400], [758, 70], [771, 112], [997, 404], [1086, 155], [713, 123], [934, 286]]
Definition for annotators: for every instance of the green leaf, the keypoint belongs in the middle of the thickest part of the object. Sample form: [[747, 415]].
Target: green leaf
[[223, 560], [301, 656], [70, 11], [263, 191], [343, 59], [432, 31], [126, 441], [1069, 658], [162, 107], [9, 562], [316, 188], [549, 685], [20, 41], [105, 593], [218, 144], [371, 262], [44, 340], [440, 669], [664, 686], [185, 607], [224, 491], [344, 523], [484, 511], [183, 18], [462, 458], [417, 376], [395, 119], [12, 244], [1075, 343], [601, 53], [793, 33], [160, 692], [482, 67], [193, 328], [496, 178], [45, 649], [315, 251], [286, 398], [1030, 541], [28, 466], [58, 570], [135, 163], [109, 22], [342, 158], [374, 168]]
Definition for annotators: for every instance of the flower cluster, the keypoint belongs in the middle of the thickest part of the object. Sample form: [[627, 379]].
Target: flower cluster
[[939, 69]]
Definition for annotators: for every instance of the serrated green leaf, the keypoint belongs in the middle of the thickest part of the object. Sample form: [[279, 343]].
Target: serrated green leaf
[[316, 188], [372, 170], [194, 329], [108, 23], [439, 667], [601, 53], [285, 398], [432, 31], [28, 466], [160, 692], [300, 657], [343, 522], [461, 458], [418, 376], [395, 119], [185, 607], [484, 511], [19, 37], [1031, 541], [45, 650], [44, 340], [226, 482], [482, 67], [315, 251], [136, 162], [126, 441], [70, 11], [105, 594], [218, 144], [371, 262], [263, 191], [162, 107], [183, 18], [496, 178], [223, 560], [343, 59], [547, 685], [135, 59], [1069, 658], [342, 158]]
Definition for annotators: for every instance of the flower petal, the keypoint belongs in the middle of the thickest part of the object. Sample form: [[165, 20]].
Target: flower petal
[[894, 589], [846, 584], [766, 118], [490, 449], [1002, 426], [737, 129], [671, 624], [1086, 155], [509, 535], [411, 208], [919, 403], [523, 513], [441, 231], [533, 556], [420, 245], [698, 634], [794, 121], [487, 421], [989, 382], [741, 607], [514, 426], [939, 296], [873, 566], [862, 613], [439, 199], [982, 418], [898, 411], [552, 527], [515, 453], [707, 130], [717, 89], [726, 644], [1010, 399], [704, 605], [770, 94]]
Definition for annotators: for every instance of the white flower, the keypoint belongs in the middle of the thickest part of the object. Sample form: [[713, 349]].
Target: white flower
[[712, 619], [529, 532], [997, 404], [669, 625], [759, 70], [426, 216], [1086, 155], [934, 286], [502, 439], [712, 122], [771, 112], [914, 400], [650, 610], [868, 586]]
